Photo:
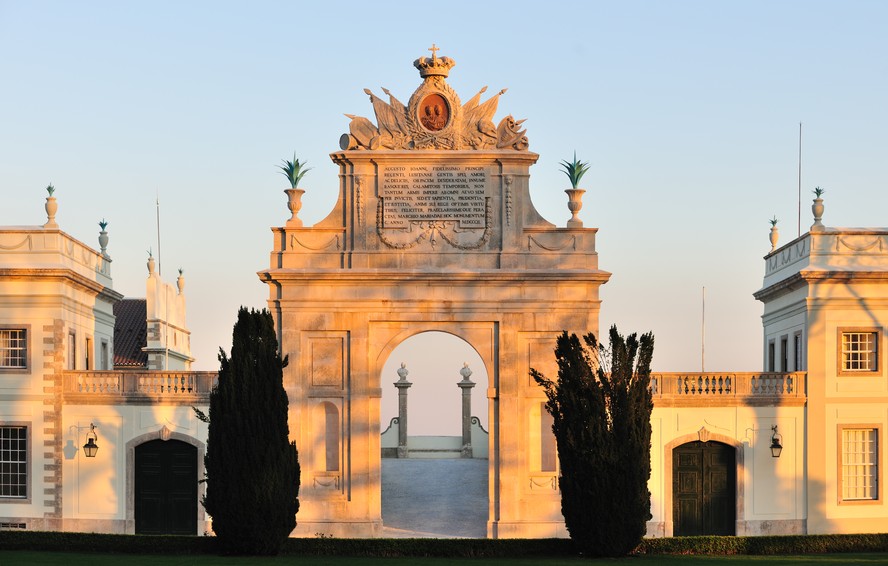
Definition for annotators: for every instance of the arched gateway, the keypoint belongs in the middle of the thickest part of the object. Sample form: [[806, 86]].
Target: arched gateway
[[433, 230]]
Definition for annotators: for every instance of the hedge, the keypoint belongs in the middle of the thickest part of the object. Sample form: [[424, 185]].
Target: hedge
[[765, 545], [441, 548]]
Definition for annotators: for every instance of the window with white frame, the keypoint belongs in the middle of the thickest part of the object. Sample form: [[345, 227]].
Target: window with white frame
[[859, 350], [13, 348], [13, 462], [860, 464], [72, 350], [88, 352], [784, 353], [797, 347]]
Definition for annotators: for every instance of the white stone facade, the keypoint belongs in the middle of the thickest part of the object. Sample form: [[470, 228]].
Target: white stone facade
[[828, 287]]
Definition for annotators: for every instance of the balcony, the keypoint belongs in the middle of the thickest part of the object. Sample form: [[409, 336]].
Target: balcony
[[728, 389], [138, 387]]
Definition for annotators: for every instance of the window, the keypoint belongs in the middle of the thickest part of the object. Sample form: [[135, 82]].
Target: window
[[860, 464], [72, 351], [797, 346], [858, 351], [784, 354], [771, 356], [89, 347], [13, 348], [13, 462]]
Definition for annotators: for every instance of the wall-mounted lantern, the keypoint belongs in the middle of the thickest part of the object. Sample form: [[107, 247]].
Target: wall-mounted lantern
[[776, 445], [90, 448]]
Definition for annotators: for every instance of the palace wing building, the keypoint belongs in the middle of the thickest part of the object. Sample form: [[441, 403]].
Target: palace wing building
[[81, 366]]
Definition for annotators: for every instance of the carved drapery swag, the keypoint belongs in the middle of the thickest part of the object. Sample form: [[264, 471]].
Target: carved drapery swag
[[434, 118], [429, 230]]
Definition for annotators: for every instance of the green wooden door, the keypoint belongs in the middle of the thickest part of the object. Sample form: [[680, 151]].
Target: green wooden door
[[166, 488], [704, 489]]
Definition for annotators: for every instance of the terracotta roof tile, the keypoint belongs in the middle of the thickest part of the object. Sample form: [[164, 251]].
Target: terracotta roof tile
[[130, 333]]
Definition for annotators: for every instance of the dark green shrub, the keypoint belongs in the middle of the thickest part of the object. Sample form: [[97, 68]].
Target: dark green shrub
[[252, 468], [765, 545], [601, 408]]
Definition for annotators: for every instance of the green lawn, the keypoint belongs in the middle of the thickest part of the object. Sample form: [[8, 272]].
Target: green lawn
[[31, 558]]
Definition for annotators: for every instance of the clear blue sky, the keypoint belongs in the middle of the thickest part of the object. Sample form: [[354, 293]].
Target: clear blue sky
[[688, 111]]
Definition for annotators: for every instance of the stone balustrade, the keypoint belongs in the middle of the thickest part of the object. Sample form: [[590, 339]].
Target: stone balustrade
[[729, 389], [133, 387]]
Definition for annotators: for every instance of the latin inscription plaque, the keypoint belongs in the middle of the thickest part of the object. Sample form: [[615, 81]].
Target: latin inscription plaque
[[429, 192]]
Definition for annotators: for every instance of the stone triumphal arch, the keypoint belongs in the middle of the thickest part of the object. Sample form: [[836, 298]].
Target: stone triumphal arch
[[433, 229]]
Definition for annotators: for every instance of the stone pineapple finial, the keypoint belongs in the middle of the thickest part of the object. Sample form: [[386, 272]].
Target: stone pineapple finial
[[51, 207], [103, 238], [817, 209], [180, 281]]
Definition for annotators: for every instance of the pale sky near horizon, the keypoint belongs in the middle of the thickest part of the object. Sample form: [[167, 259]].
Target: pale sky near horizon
[[688, 112]]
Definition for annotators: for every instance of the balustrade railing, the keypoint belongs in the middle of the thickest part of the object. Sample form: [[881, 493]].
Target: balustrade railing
[[747, 387], [190, 386]]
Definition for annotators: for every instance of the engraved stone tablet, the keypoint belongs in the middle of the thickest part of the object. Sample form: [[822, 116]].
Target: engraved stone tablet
[[429, 192]]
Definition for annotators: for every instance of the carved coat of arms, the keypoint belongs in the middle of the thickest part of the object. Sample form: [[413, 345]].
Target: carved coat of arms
[[434, 118]]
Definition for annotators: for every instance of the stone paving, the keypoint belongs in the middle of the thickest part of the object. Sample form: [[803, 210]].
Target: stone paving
[[434, 498]]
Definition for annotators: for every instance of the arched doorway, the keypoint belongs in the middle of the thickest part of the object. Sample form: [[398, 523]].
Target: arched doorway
[[165, 487], [434, 473], [704, 488]]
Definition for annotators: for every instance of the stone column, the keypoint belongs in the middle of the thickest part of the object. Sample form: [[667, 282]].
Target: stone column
[[466, 385], [402, 384]]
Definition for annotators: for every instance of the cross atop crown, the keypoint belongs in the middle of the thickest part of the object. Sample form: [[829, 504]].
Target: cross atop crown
[[434, 66]]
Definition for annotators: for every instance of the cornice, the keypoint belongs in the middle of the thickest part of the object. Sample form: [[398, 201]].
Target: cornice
[[820, 277], [61, 275], [333, 276]]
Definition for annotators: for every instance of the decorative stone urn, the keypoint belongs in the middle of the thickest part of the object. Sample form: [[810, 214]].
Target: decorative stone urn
[[103, 242], [817, 210], [574, 204], [775, 235], [150, 264], [51, 207], [294, 203]]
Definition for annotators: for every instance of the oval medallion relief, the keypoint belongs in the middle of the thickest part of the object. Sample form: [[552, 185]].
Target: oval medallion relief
[[434, 112]]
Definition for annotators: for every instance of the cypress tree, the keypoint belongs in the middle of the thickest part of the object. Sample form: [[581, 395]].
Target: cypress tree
[[252, 468], [602, 427]]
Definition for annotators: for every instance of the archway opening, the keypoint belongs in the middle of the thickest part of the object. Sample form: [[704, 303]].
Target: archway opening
[[704, 489], [435, 469]]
